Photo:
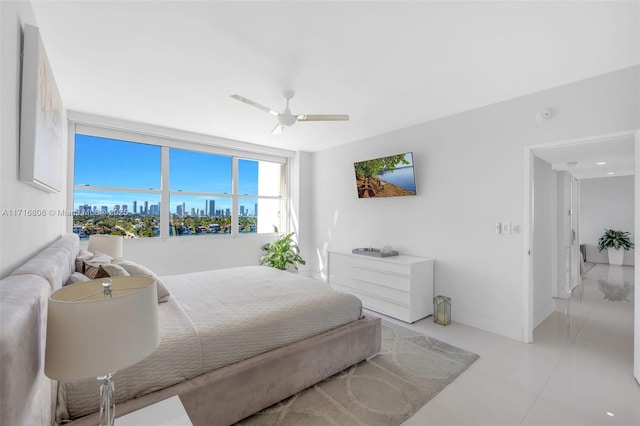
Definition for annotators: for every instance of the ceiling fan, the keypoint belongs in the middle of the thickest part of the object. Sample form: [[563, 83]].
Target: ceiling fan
[[285, 118]]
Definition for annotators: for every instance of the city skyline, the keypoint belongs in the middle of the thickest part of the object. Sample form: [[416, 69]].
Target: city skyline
[[146, 209], [189, 171]]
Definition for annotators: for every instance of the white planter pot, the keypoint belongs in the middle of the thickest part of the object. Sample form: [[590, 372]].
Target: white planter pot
[[615, 256]]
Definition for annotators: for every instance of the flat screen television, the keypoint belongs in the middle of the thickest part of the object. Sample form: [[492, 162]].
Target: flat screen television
[[386, 177]]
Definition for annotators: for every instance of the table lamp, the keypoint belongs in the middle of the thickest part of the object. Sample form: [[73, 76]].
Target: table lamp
[[106, 243], [98, 327]]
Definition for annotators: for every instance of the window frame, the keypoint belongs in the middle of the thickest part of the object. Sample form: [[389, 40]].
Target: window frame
[[86, 124]]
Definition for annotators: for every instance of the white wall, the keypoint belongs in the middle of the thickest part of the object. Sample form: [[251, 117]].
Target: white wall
[[636, 335], [470, 174], [544, 241], [21, 236], [181, 255], [606, 203], [300, 203], [563, 232]]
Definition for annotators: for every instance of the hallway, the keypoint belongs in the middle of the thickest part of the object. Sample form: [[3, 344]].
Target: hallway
[[578, 371]]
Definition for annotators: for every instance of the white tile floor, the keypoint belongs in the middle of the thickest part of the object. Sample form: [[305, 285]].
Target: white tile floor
[[578, 371]]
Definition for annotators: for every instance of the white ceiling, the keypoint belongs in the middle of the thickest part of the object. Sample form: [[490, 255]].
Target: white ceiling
[[388, 64], [581, 160]]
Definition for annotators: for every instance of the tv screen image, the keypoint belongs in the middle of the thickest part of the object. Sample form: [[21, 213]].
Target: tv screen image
[[386, 177]]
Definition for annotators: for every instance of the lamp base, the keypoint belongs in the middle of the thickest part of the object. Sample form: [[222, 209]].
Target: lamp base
[[107, 401]]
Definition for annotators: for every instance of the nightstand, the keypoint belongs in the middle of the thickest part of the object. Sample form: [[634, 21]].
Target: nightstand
[[168, 412]]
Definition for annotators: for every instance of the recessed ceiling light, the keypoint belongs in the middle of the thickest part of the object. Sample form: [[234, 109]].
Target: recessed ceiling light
[[610, 414], [611, 173], [601, 163]]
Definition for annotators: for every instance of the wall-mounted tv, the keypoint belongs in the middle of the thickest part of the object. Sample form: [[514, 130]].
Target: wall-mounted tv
[[386, 177]]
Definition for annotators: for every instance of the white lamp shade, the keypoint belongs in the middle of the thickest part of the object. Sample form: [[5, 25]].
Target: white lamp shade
[[107, 244], [89, 335]]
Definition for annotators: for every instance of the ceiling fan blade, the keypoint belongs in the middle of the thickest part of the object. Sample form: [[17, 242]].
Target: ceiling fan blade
[[323, 117], [255, 104], [278, 129]]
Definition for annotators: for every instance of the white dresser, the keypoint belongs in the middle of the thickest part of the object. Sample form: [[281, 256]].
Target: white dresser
[[398, 286]]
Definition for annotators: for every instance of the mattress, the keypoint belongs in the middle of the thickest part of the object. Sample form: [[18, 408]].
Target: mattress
[[217, 318]]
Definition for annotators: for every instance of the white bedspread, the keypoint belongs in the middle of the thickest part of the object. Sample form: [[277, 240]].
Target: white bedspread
[[217, 318]]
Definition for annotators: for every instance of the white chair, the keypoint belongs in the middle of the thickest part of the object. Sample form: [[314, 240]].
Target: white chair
[[107, 244]]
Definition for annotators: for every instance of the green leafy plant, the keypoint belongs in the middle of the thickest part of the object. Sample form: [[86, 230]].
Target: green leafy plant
[[282, 253], [615, 239]]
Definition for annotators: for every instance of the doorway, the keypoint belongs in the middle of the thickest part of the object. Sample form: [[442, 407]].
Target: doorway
[[568, 157]]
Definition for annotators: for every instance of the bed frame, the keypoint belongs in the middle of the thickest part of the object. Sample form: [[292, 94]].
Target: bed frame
[[229, 394], [220, 397]]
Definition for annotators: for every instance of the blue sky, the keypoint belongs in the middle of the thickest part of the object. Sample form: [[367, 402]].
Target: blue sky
[[108, 162]]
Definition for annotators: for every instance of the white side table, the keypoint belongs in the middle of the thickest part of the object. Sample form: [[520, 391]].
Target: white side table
[[168, 412]]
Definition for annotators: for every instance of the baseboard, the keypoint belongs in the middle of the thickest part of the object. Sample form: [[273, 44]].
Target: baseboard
[[542, 314]]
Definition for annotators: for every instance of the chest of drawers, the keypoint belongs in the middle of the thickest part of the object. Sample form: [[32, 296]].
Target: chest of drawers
[[398, 286]]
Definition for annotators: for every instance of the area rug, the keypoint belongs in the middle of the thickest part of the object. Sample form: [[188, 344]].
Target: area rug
[[387, 389]]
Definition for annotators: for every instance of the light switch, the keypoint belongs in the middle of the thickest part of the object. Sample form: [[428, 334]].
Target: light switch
[[505, 228]]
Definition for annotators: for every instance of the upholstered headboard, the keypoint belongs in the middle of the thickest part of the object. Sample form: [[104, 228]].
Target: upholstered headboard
[[27, 396]]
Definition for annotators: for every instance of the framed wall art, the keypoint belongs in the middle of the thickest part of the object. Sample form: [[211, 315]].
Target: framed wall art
[[40, 118]]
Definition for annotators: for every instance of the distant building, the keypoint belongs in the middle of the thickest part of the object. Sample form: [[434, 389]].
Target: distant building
[[242, 211], [180, 210], [84, 209], [212, 207], [146, 208], [104, 210], [135, 207], [125, 209]]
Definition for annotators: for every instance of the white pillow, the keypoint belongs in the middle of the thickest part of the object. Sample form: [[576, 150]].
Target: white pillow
[[137, 270], [98, 259], [77, 277], [83, 255]]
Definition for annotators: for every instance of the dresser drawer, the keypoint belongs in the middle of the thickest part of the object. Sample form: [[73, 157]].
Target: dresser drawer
[[377, 304], [382, 278], [367, 287], [372, 263]]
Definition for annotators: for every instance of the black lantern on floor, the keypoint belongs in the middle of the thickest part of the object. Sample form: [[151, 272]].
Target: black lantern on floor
[[442, 310]]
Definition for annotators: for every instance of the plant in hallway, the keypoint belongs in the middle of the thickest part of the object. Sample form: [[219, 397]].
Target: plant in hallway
[[282, 253], [613, 241]]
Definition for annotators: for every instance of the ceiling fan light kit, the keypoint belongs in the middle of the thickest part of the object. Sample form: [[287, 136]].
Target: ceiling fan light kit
[[286, 118]]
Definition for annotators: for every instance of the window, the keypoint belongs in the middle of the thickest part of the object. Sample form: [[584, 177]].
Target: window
[[150, 190], [116, 188], [200, 193], [260, 189]]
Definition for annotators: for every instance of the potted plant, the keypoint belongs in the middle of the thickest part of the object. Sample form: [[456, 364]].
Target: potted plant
[[282, 253], [614, 240]]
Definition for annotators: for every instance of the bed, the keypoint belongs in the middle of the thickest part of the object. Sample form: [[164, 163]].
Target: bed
[[233, 342]]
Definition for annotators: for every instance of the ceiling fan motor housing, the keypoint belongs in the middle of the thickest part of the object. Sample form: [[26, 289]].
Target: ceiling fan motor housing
[[286, 119]]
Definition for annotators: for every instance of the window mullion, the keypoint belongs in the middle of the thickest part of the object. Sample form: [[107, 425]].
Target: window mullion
[[164, 194], [115, 189], [235, 212]]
